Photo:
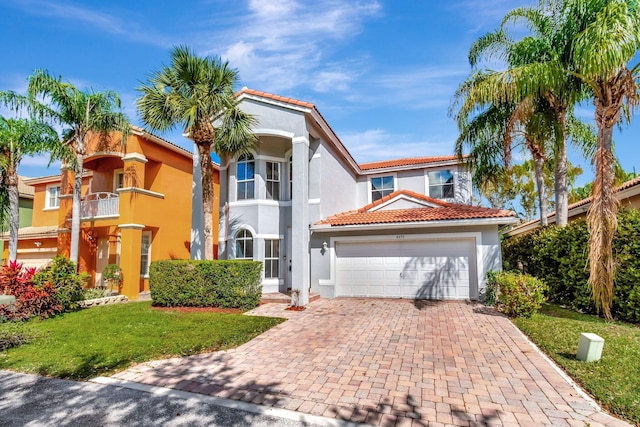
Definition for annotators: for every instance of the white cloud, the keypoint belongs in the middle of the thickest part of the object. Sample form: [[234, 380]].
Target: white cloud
[[378, 144], [279, 45]]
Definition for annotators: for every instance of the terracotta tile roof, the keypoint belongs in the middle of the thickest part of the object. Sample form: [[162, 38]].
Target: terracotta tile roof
[[625, 185], [275, 97], [405, 162], [446, 212]]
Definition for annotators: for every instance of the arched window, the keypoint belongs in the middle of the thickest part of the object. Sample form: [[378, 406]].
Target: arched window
[[244, 244], [245, 177]]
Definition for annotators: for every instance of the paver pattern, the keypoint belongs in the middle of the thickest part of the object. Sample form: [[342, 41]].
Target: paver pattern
[[387, 362]]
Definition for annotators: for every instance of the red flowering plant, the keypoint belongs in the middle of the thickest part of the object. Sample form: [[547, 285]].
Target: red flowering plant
[[31, 300]]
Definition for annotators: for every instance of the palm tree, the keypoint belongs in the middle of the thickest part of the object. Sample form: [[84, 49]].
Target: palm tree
[[197, 93], [605, 38], [537, 67], [20, 137], [81, 113]]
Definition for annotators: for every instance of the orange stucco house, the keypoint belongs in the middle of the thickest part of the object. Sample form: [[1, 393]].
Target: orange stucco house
[[136, 208]]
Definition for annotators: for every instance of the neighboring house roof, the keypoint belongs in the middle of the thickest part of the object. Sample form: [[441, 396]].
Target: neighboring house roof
[[52, 178], [414, 161], [34, 232], [427, 210], [25, 190], [627, 189]]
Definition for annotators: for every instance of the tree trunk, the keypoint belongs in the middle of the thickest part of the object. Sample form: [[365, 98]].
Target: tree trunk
[[14, 213], [602, 215], [560, 186], [542, 199], [206, 167], [75, 210]]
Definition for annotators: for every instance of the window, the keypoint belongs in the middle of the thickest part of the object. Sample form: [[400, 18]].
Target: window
[[271, 259], [381, 186], [245, 177], [53, 197], [290, 177], [441, 184], [118, 179], [273, 181], [244, 244], [145, 253]]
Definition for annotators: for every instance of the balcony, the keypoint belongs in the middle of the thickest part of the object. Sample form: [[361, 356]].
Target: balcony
[[97, 205]]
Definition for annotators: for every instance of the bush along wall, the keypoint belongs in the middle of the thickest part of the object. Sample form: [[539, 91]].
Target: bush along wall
[[559, 256], [219, 283]]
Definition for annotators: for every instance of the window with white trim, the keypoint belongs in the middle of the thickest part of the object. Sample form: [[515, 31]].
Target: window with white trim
[[381, 186], [244, 244], [290, 177], [118, 179], [441, 184], [145, 253], [53, 197], [272, 180], [245, 177], [271, 259]]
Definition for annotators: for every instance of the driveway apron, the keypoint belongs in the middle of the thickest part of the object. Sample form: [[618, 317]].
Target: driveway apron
[[387, 362]]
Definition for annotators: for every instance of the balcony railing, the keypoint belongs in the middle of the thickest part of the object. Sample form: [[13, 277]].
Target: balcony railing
[[97, 205]]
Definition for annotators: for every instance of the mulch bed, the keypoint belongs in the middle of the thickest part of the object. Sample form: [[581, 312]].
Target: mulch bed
[[294, 308], [200, 310]]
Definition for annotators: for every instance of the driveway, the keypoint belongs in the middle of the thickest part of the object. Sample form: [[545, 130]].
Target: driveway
[[387, 362]]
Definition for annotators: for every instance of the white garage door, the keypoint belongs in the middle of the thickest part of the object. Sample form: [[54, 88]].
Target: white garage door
[[424, 269], [36, 259]]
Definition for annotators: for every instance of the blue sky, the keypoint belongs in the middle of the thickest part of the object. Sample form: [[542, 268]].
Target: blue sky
[[381, 72]]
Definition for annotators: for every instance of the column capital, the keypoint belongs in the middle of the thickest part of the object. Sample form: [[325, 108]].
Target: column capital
[[300, 140]]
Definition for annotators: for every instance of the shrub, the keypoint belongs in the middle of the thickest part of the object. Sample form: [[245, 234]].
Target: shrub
[[226, 284], [62, 274], [31, 299], [559, 256], [517, 294], [112, 273], [93, 293]]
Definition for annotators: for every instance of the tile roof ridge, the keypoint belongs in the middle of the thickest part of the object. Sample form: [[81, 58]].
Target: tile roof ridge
[[287, 100]]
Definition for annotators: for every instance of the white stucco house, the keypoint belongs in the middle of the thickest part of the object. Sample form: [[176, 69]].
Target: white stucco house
[[321, 222]]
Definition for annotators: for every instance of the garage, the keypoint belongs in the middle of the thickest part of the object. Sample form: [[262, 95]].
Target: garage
[[37, 259], [423, 269]]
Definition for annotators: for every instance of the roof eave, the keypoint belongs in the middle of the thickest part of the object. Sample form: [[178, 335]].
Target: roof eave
[[411, 167], [416, 224]]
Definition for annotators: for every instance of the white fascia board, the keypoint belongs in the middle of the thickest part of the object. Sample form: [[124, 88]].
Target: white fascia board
[[424, 166], [419, 224]]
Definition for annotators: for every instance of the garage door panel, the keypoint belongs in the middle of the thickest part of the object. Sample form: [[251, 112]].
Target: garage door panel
[[435, 269]]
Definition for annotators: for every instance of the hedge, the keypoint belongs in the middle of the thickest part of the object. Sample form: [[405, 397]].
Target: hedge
[[559, 256], [225, 284], [515, 294]]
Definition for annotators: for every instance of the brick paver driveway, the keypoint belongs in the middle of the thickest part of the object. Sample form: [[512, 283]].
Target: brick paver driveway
[[387, 362]]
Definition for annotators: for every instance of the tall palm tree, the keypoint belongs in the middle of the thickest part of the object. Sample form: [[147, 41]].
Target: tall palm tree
[[197, 93], [537, 67], [605, 38], [20, 137], [81, 113]]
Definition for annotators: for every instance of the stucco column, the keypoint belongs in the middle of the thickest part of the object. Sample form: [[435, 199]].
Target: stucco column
[[223, 221], [197, 216], [130, 250], [300, 219]]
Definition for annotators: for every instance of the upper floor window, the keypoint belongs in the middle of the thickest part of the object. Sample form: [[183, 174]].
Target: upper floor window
[[145, 253], [271, 258], [381, 186], [245, 176], [53, 197], [244, 244], [273, 181], [118, 179], [441, 184], [290, 177]]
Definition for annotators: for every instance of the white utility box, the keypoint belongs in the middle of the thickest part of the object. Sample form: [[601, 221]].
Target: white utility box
[[590, 347]]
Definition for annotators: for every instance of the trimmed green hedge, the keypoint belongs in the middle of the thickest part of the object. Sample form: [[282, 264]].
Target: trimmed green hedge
[[516, 294], [559, 256], [225, 284]]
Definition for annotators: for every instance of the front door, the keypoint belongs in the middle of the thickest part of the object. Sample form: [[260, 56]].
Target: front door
[[102, 259]]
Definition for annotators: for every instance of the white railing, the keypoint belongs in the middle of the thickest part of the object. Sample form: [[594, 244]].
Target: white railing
[[97, 205]]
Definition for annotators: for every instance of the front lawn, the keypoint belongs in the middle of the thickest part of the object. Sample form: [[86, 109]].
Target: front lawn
[[101, 340], [614, 380]]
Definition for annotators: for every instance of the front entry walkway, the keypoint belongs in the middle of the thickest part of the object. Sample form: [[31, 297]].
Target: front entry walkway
[[387, 362]]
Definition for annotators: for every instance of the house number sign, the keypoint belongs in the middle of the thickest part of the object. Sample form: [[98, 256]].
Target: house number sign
[[399, 236]]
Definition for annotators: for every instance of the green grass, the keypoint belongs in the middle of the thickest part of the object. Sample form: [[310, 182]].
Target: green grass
[[102, 340], [614, 380]]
